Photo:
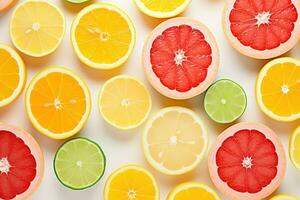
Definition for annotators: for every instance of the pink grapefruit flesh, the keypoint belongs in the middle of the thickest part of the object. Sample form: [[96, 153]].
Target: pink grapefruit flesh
[[247, 162], [181, 58], [21, 163], [262, 28]]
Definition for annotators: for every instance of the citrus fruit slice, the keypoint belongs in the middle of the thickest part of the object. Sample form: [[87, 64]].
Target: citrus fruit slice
[[124, 102], [175, 141], [103, 36], [181, 58], [5, 4], [247, 161], [162, 8], [12, 75], [21, 163], [131, 182], [278, 89], [58, 102], [284, 197], [193, 190], [262, 29], [79, 163], [225, 101], [294, 148], [37, 27], [77, 1]]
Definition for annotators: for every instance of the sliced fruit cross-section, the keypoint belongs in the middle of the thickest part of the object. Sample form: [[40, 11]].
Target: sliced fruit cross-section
[[294, 148], [284, 197], [5, 4]]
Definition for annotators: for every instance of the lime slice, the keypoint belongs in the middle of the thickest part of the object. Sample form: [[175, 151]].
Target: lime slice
[[79, 163], [225, 101]]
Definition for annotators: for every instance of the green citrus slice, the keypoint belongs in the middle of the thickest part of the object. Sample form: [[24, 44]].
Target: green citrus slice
[[79, 163], [225, 101]]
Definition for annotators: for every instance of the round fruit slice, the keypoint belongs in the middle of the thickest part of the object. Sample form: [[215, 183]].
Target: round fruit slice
[[193, 190], [58, 102], [162, 8], [78, 1], [37, 27], [262, 29], [131, 182], [21, 163], [124, 102], [79, 163], [278, 89], [247, 161], [12, 75], [181, 58], [284, 197], [5, 4], [103, 36], [175, 141], [225, 101], [294, 148]]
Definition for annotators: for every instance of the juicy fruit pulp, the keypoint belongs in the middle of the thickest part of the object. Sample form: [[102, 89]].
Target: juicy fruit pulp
[[79, 163], [225, 101], [294, 148], [37, 27], [131, 182]]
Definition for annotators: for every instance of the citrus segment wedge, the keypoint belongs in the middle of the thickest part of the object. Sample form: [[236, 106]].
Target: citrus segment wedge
[[58, 102], [294, 148]]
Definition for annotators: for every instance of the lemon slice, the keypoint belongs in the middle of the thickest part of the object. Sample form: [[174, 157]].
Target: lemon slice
[[294, 148], [162, 8], [37, 27], [284, 197], [278, 89], [58, 102], [193, 190], [131, 182], [174, 140], [12, 75], [103, 36], [124, 102]]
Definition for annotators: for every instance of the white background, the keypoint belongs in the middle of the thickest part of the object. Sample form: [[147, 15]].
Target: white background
[[125, 147]]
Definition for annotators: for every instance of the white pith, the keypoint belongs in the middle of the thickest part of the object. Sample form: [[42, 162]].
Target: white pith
[[131, 194], [247, 162], [4, 165], [263, 18], [180, 57]]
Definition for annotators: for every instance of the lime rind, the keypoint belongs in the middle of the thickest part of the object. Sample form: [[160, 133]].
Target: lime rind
[[99, 176], [225, 101]]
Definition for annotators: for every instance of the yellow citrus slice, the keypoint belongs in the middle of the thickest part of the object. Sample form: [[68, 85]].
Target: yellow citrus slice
[[162, 8], [284, 197], [278, 89], [58, 102], [294, 148], [131, 182], [12, 74], [193, 190], [37, 27], [174, 140], [124, 102], [103, 36]]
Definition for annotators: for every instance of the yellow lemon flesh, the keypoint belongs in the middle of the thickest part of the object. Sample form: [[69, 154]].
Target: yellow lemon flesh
[[294, 148]]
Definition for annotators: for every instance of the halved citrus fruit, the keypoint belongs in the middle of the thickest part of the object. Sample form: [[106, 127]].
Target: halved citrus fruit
[[37, 27], [294, 148], [278, 89], [284, 197], [21, 163], [58, 102], [5, 4], [162, 8], [103, 36], [181, 58], [247, 161], [175, 140], [131, 182], [124, 102], [12, 74], [262, 28], [193, 190]]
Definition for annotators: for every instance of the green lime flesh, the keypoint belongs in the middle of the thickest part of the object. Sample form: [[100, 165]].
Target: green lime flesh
[[79, 163], [225, 101]]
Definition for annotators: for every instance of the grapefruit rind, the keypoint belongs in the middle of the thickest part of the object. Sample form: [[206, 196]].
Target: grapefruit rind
[[212, 70], [292, 148], [267, 190]]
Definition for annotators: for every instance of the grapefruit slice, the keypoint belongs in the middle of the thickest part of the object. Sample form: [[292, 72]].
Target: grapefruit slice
[[247, 161], [262, 29], [21, 163], [5, 4], [181, 58]]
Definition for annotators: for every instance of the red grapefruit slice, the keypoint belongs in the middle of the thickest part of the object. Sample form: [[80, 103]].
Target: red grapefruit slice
[[262, 28], [21, 163], [181, 58], [247, 162]]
